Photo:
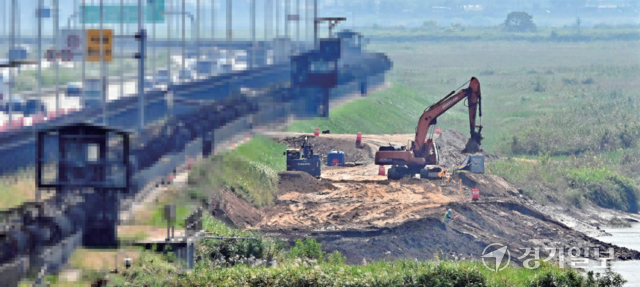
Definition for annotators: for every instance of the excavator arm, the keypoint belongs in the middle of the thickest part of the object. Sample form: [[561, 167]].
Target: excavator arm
[[422, 150], [431, 114]]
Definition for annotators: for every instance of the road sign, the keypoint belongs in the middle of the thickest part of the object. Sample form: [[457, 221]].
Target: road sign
[[94, 43], [66, 55], [51, 55], [72, 40], [112, 14], [43, 13]]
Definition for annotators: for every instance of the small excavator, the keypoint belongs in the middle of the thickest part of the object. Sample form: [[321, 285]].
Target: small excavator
[[422, 155], [307, 161]]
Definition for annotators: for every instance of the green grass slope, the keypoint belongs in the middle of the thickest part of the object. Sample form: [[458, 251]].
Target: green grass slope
[[249, 171]]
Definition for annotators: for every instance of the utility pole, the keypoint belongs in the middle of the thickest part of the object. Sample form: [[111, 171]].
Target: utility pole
[[183, 40], [286, 18], [198, 32], [170, 8], [277, 18], [253, 33], [84, 52], [213, 26], [11, 47], [56, 23], [141, 72], [33, 124], [122, 39], [153, 40], [298, 26], [229, 31], [315, 24], [102, 77]]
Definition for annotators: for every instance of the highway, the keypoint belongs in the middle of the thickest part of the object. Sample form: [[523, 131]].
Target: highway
[[113, 93]]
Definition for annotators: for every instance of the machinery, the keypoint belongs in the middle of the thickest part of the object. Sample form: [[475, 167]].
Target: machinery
[[421, 156], [307, 161]]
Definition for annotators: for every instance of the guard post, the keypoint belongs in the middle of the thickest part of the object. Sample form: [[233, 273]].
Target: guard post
[[91, 161]]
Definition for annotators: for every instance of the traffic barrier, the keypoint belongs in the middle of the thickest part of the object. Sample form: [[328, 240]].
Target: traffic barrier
[[316, 132], [381, 170], [438, 131], [475, 194]]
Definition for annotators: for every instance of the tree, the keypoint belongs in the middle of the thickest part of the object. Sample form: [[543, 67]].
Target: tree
[[519, 22]]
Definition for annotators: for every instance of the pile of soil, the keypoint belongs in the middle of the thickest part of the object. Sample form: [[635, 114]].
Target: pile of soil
[[231, 209], [301, 182], [323, 145], [451, 143], [478, 225]]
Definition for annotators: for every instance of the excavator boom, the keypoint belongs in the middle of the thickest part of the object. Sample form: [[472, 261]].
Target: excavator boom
[[423, 151]]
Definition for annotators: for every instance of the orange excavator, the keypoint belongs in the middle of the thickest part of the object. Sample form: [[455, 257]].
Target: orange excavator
[[422, 155]]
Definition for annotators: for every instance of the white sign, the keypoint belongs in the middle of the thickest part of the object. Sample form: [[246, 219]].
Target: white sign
[[71, 40]]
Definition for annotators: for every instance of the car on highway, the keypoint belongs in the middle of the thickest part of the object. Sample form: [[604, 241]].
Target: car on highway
[[163, 77], [33, 107], [204, 67], [93, 92], [74, 89], [17, 104], [185, 75], [148, 83]]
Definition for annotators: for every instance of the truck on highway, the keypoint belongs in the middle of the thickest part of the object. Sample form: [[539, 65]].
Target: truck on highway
[[94, 93]]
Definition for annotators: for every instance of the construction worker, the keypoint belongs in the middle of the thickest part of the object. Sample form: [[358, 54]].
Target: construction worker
[[447, 216]]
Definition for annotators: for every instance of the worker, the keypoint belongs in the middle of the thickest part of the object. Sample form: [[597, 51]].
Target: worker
[[447, 216]]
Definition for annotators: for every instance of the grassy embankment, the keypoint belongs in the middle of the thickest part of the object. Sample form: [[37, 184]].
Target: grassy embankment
[[573, 103]]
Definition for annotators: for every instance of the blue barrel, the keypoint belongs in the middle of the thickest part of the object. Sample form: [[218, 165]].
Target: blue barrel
[[335, 158]]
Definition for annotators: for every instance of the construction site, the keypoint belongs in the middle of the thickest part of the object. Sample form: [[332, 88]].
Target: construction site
[[305, 143], [366, 216]]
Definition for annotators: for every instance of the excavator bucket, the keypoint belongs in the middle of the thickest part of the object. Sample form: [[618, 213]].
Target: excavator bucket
[[473, 145]]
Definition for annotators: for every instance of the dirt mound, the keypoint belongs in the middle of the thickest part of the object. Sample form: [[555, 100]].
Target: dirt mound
[[229, 208], [510, 223], [356, 205], [451, 143], [323, 145], [301, 182]]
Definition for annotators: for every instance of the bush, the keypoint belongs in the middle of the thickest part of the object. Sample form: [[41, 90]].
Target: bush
[[310, 248]]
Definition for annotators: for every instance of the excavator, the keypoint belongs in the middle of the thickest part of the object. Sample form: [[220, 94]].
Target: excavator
[[422, 155]]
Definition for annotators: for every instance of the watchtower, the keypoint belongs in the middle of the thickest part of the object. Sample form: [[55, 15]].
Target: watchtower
[[91, 161], [318, 69]]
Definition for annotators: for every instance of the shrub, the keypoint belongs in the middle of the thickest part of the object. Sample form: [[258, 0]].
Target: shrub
[[310, 248]]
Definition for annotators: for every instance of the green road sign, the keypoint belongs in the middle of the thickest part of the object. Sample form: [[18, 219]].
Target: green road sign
[[111, 13]]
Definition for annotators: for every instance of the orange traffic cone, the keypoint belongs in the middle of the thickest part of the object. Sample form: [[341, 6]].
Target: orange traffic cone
[[381, 170]]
